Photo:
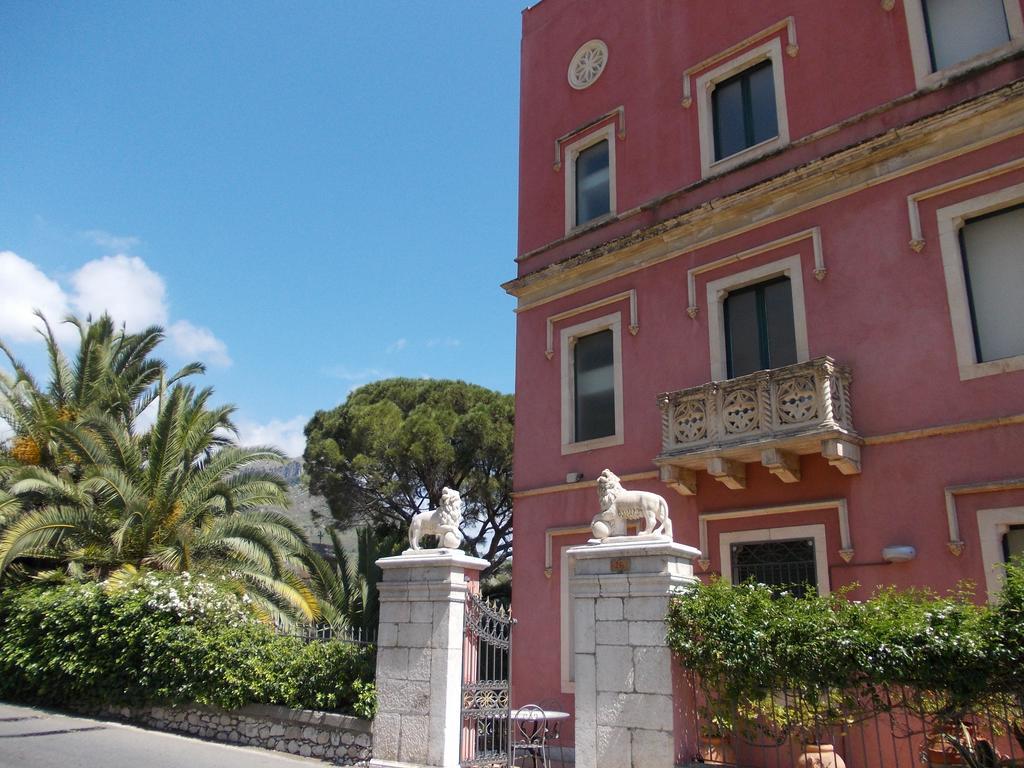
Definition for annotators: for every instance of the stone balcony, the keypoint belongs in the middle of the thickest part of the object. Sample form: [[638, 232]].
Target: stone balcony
[[772, 417]]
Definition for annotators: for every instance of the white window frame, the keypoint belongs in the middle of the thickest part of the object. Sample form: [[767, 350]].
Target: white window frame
[[815, 532], [572, 153], [950, 220], [920, 54], [719, 289], [769, 51], [612, 322], [993, 524]]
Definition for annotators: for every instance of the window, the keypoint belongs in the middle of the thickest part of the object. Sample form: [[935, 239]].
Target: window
[[594, 386], [759, 329], [983, 261], [1002, 536], [789, 558], [1013, 542], [947, 36], [994, 274], [590, 178], [961, 29], [743, 110], [785, 565], [592, 175], [591, 385], [756, 319]]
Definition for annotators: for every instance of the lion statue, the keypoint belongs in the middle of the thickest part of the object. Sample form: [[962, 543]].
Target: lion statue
[[442, 522], [618, 504]]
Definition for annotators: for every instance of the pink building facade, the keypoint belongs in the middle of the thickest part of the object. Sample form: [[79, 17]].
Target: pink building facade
[[770, 266]]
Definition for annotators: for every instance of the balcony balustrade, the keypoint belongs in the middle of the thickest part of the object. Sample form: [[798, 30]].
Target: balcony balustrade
[[772, 416]]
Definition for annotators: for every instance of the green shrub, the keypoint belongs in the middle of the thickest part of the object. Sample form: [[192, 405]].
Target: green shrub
[[166, 639], [947, 654]]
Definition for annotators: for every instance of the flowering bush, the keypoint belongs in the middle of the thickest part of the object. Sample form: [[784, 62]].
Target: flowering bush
[[165, 638]]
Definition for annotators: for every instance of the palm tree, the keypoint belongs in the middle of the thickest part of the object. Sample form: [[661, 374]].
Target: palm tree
[[347, 588], [102, 501], [112, 373]]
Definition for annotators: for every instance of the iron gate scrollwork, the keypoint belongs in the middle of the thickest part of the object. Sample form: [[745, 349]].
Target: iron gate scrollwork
[[486, 684]]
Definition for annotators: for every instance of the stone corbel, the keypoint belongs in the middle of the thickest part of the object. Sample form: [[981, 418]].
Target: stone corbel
[[634, 323], [731, 474], [682, 481], [783, 464], [843, 455]]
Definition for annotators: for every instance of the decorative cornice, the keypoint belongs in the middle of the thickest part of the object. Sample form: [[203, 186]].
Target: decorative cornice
[[634, 323], [964, 128], [788, 24], [917, 241]]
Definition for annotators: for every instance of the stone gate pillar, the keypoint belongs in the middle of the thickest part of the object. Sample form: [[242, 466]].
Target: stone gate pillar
[[620, 593], [419, 658]]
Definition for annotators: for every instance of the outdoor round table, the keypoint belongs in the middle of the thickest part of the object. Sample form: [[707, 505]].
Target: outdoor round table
[[550, 716]]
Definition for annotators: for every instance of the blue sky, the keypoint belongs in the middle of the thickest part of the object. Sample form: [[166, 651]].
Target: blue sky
[[309, 196]]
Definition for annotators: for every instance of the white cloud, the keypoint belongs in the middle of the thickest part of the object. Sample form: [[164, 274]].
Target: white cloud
[[446, 342], [285, 435], [192, 341], [397, 345], [5, 430], [26, 289], [125, 287], [104, 239]]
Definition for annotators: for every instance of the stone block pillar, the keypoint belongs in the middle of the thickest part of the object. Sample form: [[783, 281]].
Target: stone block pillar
[[620, 593], [419, 658]]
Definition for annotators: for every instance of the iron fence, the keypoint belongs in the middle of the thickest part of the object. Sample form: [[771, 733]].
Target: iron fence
[[322, 633]]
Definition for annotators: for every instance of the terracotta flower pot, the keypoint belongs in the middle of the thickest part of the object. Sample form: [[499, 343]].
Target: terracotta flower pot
[[820, 756]]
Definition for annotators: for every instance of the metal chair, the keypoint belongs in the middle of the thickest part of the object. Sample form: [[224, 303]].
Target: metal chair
[[530, 734]]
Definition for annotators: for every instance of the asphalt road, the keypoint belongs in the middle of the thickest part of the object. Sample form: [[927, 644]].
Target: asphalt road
[[35, 738]]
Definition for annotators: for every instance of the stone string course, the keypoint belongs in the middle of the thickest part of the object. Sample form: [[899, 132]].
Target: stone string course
[[339, 739]]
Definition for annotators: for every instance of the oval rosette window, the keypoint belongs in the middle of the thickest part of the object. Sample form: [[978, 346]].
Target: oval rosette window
[[587, 64]]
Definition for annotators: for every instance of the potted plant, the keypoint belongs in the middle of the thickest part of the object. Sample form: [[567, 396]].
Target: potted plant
[[716, 734]]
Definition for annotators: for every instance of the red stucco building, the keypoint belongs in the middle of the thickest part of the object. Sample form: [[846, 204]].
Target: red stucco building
[[771, 266]]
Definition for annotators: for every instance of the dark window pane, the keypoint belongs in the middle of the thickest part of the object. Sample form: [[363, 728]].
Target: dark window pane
[[594, 377], [742, 332], [762, 103], [785, 565], [730, 126], [1013, 542], [593, 198], [759, 331], [994, 267], [743, 110], [961, 29], [778, 312]]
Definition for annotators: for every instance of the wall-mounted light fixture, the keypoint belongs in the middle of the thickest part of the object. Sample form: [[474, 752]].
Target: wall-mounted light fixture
[[899, 553]]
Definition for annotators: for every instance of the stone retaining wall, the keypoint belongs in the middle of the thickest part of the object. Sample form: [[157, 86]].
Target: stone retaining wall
[[340, 739]]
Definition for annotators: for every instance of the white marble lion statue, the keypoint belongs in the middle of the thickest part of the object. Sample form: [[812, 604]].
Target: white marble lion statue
[[618, 504], [442, 522]]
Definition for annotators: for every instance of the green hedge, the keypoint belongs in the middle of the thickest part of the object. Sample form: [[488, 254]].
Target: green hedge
[[167, 639], [746, 642]]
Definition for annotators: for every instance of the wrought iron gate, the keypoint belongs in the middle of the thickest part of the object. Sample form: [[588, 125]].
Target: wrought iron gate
[[486, 676]]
